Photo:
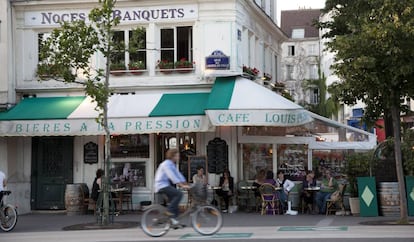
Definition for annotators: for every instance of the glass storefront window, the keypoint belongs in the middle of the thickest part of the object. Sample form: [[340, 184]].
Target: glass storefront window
[[129, 172], [293, 160], [255, 158], [124, 146]]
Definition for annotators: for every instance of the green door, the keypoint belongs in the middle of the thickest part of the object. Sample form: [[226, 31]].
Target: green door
[[52, 169]]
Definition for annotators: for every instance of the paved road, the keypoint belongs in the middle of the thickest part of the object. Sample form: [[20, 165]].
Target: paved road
[[269, 233]]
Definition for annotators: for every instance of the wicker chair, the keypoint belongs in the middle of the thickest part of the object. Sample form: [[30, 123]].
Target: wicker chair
[[270, 202], [335, 205]]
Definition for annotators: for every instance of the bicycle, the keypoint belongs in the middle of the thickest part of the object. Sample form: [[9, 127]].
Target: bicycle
[[8, 214], [205, 219]]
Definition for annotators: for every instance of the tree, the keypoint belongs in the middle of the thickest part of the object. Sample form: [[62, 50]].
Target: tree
[[67, 53], [326, 106], [374, 45]]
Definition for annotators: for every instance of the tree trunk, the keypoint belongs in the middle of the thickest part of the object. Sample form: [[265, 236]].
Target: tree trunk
[[395, 113], [388, 126], [107, 160]]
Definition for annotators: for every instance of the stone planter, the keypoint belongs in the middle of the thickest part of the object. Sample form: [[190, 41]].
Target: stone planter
[[354, 205]]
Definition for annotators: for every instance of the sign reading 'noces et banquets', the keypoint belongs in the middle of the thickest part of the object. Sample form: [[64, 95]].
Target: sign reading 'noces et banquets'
[[126, 15]]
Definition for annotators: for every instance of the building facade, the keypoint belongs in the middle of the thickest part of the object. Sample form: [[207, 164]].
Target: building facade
[[301, 54], [39, 165]]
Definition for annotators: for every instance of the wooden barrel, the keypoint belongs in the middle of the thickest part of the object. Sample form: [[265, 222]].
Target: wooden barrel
[[389, 199], [74, 199]]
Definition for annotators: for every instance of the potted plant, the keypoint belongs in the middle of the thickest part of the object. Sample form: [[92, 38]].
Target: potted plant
[[252, 73], [117, 68], [184, 65], [165, 66], [357, 165], [136, 67]]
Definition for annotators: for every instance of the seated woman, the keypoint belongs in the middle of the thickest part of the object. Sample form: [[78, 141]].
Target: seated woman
[[260, 179], [307, 196], [286, 185], [227, 187], [270, 178], [199, 177]]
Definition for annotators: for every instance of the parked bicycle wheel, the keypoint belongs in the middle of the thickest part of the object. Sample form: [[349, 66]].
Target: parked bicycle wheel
[[9, 218], [154, 222], [207, 220]]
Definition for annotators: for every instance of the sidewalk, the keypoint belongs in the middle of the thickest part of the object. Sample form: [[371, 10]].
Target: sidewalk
[[43, 222]]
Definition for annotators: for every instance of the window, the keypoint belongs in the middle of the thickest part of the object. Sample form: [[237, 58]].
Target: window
[[313, 50], [40, 38], [130, 47], [293, 160], [256, 157], [276, 69], [314, 96], [291, 50], [177, 43], [123, 146], [298, 33], [289, 72], [130, 155], [313, 72]]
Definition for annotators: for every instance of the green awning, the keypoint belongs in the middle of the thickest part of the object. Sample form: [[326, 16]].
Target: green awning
[[180, 104], [43, 108]]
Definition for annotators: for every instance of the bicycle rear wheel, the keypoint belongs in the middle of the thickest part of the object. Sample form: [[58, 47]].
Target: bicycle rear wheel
[[154, 222], [207, 220], [9, 220]]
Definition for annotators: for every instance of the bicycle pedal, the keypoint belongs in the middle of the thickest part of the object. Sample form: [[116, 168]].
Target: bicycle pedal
[[178, 226]]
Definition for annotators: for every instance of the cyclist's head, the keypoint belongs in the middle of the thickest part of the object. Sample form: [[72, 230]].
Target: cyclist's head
[[99, 173], [172, 154]]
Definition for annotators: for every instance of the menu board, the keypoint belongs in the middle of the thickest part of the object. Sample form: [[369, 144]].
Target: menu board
[[90, 153], [194, 162]]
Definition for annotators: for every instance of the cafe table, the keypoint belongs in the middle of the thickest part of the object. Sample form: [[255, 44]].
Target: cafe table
[[249, 189], [312, 190]]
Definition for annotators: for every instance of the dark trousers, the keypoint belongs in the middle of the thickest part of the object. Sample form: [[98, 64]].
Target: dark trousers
[[226, 197], [321, 198], [174, 198]]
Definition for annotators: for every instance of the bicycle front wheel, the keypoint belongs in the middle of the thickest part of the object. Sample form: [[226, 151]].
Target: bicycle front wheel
[[154, 222], [9, 218], [207, 220]]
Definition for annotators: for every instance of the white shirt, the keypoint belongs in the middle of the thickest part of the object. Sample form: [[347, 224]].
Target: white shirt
[[288, 185], [167, 172], [2, 178]]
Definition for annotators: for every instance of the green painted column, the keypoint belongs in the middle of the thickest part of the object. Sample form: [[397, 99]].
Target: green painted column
[[409, 183], [367, 191]]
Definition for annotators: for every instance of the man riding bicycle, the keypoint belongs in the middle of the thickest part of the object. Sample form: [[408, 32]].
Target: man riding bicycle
[[166, 175], [3, 183]]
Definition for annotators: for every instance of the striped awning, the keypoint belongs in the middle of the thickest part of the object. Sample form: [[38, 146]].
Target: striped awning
[[237, 101], [128, 114]]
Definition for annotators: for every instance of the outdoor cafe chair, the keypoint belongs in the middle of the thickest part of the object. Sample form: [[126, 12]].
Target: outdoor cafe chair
[[333, 205], [270, 202]]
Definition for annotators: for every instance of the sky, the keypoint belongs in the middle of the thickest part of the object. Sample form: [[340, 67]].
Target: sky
[[296, 4]]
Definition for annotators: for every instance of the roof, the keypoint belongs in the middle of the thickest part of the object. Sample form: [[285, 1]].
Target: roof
[[302, 18]]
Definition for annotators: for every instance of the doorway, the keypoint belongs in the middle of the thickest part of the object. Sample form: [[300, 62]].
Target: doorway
[[184, 142], [52, 169]]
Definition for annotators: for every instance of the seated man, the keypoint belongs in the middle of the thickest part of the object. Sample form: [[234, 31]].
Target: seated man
[[286, 185], [328, 186]]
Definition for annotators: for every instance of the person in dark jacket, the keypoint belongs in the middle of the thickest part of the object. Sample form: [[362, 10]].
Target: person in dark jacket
[[227, 188]]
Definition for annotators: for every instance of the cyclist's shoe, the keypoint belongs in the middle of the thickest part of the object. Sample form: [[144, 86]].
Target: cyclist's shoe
[[168, 214], [175, 224]]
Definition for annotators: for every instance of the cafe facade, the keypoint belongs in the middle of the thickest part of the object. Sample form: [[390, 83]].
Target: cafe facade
[[49, 136]]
